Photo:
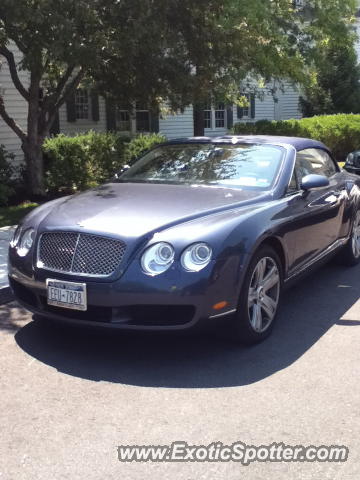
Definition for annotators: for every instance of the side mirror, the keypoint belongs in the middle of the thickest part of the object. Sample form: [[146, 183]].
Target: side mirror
[[314, 181], [352, 164]]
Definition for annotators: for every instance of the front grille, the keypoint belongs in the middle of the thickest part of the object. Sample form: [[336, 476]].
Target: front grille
[[79, 253]]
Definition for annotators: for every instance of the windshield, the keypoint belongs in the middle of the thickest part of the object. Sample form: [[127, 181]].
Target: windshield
[[244, 166]]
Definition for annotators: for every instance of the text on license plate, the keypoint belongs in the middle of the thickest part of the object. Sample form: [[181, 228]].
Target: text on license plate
[[66, 294]]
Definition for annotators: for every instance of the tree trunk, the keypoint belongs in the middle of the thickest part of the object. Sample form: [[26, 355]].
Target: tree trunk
[[32, 146], [32, 149], [199, 130]]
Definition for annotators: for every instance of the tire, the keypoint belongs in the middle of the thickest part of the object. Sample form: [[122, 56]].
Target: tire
[[350, 254], [252, 322]]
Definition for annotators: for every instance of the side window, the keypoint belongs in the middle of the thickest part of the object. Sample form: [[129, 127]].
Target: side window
[[303, 165], [328, 167], [293, 185], [313, 160]]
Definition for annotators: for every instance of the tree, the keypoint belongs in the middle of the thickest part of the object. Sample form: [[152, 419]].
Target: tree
[[180, 51], [59, 41], [193, 51], [334, 86]]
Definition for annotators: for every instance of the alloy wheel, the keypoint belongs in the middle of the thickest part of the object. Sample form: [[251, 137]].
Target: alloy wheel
[[263, 295]]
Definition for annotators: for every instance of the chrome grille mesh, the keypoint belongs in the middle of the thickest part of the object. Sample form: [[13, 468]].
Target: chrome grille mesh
[[79, 253]]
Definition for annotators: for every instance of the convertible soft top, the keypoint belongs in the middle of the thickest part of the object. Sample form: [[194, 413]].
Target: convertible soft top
[[297, 142]]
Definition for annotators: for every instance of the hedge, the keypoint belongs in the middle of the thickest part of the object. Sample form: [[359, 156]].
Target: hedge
[[341, 133], [83, 161]]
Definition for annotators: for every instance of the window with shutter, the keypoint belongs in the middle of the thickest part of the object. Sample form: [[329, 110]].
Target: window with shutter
[[248, 111], [207, 116], [82, 104], [215, 116], [142, 118], [246, 108], [123, 120], [220, 115]]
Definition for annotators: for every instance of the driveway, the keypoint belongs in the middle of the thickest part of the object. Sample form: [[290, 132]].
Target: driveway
[[5, 235], [69, 396]]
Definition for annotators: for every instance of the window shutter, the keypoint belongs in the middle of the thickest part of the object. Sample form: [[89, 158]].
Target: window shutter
[[95, 106], [240, 112], [70, 109], [154, 122], [55, 127], [110, 116], [229, 116], [252, 106], [198, 118]]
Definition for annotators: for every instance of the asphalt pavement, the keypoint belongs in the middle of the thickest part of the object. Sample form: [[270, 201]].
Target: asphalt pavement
[[5, 235], [70, 396]]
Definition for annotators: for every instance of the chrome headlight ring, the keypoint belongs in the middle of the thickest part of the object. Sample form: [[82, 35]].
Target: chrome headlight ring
[[196, 257], [25, 242], [157, 258]]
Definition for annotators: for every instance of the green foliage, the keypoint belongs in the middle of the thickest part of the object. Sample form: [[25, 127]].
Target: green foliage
[[13, 214], [341, 133], [177, 51], [334, 87], [211, 46], [84, 161], [80, 162], [7, 172], [139, 145]]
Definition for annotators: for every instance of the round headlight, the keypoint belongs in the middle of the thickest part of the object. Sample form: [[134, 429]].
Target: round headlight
[[15, 239], [26, 241], [157, 258], [196, 257]]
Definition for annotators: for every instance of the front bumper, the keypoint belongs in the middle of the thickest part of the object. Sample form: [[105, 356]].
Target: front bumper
[[175, 300]]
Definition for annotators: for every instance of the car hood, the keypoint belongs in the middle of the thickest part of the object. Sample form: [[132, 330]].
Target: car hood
[[134, 209]]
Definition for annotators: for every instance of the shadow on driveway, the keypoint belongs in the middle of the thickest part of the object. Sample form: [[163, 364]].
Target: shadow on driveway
[[199, 361]]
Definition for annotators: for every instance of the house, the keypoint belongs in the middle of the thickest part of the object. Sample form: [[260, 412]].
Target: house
[[88, 111]]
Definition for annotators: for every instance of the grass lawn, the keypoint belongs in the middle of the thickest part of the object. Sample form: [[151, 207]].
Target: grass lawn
[[12, 215]]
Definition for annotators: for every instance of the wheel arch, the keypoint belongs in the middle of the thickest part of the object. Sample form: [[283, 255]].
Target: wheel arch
[[276, 244]]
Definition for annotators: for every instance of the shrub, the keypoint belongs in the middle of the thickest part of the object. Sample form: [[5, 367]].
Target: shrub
[[141, 144], [341, 133], [80, 162], [84, 161], [7, 172]]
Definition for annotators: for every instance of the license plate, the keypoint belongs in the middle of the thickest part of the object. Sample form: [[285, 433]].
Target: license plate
[[66, 294]]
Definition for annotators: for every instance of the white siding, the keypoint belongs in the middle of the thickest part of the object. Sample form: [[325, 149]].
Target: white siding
[[82, 126], [177, 125], [15, 105], [216, 132], [264, 109], [289, 103], [286, 107]]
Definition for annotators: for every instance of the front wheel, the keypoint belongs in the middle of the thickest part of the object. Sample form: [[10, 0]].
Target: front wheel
[[350, 254], [259, 297]]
